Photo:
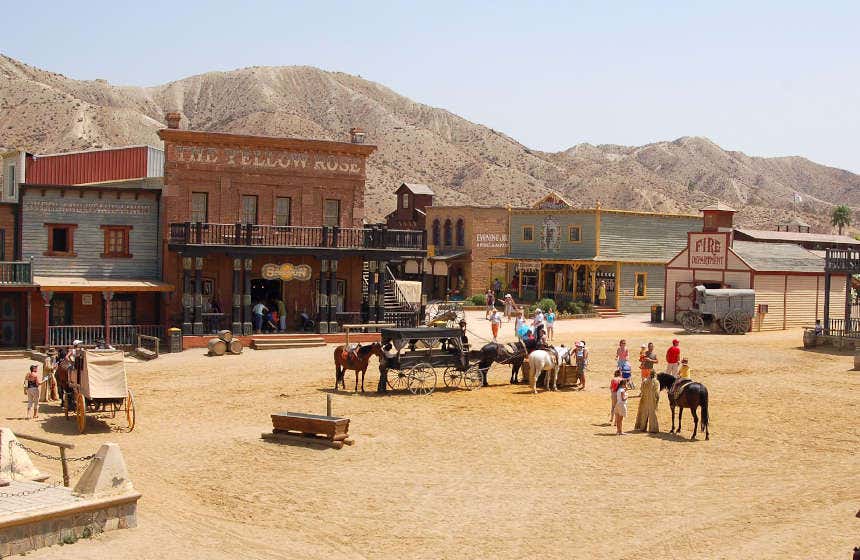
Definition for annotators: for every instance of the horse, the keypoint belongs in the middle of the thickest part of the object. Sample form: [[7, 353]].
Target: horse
[[547, 360], [357, 360], [514, 354], [692, 395]]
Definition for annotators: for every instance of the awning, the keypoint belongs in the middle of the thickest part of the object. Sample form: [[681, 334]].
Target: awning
[[81, 284], [448, 257]]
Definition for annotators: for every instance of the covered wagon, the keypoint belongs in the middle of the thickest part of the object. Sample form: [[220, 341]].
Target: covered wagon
[[730, 309]]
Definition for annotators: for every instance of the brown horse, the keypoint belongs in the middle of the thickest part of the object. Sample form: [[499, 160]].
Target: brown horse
[[357, 360], [693, 396]]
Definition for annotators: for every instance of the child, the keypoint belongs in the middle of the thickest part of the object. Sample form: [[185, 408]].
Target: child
[[642, 351], [550, 322], [495, 323], [620, 406], [684, 372], [622, 354], [613, 390]]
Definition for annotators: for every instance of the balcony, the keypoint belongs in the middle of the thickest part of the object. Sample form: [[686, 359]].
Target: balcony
[[16, 273], [842, 260], [304, 239]]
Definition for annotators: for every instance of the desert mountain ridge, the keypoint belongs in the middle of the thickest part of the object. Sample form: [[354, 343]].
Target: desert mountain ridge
[[465, 163]]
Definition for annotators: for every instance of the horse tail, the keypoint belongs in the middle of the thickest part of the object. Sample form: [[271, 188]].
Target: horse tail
[[704, 404]]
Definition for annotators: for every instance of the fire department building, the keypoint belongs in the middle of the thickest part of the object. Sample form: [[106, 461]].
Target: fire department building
[[250, 219]]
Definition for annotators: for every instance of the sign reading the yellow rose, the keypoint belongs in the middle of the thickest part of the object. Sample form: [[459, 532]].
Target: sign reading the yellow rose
[[286, 272]]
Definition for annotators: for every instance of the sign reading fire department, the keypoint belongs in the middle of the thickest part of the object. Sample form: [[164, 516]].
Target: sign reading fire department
[[708, 250], [286, 272]]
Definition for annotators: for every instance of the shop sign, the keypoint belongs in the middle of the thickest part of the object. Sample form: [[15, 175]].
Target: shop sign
[[86, 299], [708, 250], [491, 240], [286, 272], [528, 266], [270, 159]]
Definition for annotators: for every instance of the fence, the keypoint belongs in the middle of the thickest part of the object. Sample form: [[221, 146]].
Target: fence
[[126, 335], [839, 327], [16, 272]]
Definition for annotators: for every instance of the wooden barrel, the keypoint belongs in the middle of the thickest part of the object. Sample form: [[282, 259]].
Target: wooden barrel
[[225, 335], [809, 338], [526, 372], [217, 347], [235, 346]]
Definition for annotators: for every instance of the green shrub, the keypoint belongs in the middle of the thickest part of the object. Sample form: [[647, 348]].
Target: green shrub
[[546, 304], [479, 299]]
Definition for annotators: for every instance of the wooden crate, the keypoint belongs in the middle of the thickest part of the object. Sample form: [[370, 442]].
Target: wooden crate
[[567, 375], [330, 429]]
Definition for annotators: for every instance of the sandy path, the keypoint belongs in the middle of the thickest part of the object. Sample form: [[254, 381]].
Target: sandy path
[[492, 473]]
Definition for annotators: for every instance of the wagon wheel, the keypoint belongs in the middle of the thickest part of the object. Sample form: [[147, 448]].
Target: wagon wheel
[[396, 380], [422, 379], [737, 322], [430, 312], [472, 378], [692, 322], [452, 377], [81, 411], [129, 410]]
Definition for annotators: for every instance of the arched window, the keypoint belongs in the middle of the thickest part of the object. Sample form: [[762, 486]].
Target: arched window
[[461, 232], [448, 233], [437, 232]]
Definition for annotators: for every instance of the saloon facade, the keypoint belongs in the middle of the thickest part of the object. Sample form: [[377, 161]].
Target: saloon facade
[[249, 219]]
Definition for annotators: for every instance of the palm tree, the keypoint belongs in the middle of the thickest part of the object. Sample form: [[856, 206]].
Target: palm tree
[[841, 217]]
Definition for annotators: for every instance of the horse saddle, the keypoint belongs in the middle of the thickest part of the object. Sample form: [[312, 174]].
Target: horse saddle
[[350, 351], [679, 386]]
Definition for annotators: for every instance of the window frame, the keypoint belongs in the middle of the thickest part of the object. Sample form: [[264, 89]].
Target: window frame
[[71, 240], [460, 232], [242, 199], [205, 206], [448, 233], [578, 230], [126, 238], [279, 214], [405, 202], [325, 216], [122, 298], [531, 229], [11, 181], [636, 276]]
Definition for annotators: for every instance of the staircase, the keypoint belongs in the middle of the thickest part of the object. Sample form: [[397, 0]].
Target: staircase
[[606, 312], [285, 341], [14, 354]]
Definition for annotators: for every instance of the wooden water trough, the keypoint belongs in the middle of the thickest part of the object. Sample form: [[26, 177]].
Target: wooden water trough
[[305, 428]]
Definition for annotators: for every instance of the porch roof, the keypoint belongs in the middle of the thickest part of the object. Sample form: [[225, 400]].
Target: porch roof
[[81, 284], [588, 260]]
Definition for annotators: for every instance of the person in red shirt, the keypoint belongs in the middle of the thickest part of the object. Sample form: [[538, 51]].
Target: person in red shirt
[[673, 358]]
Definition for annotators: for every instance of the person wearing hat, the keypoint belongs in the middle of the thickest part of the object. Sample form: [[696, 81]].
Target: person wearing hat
[[673, 358], [509, 306], [581, 354], [76, 358], [538, 319], [49, 366], [684, 372]]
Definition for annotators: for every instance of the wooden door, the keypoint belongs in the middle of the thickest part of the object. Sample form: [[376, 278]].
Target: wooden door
[[9, 320]]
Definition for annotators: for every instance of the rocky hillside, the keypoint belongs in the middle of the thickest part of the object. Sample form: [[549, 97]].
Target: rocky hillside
[[464, 162]]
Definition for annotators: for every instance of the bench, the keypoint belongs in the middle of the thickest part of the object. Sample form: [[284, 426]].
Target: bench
[[298, 426]]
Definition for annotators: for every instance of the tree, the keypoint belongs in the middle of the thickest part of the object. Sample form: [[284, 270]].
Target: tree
[[841, 217]]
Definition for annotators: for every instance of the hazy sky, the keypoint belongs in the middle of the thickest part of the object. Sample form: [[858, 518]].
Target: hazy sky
[[767, 78]]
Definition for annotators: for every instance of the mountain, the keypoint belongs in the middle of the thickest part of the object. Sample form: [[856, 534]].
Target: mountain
[[464, 162]]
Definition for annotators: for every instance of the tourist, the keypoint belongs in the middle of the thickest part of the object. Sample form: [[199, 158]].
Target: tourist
[[510, 306], [76, 359], [613, 392], [541, 337], [282, 313], [464, 340], [550, 323], [649, 360], [622, 354], [495, 323], [646, 413], [31, 389], [497, 286], [673, 358], [819, 330], [684, 372], [538, 319], [520, 327], [101, 344], [601, 293], [581, 354], [49, 367], [620, 406], [258, 311]]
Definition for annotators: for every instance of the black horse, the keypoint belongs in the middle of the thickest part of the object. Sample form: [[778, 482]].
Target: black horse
[[692, 396], [514, 354]]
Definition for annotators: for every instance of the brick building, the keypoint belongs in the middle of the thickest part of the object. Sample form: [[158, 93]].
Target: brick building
[[249, 219], [412, 202]]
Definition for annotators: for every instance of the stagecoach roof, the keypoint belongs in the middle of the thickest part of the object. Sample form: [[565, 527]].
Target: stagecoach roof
[[420, 333]]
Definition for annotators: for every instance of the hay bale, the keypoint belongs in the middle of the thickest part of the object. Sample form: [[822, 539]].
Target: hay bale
[[235, 346], [217, 347], [225, 335]]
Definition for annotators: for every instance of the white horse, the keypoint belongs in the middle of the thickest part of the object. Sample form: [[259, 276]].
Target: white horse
[[543, 360]]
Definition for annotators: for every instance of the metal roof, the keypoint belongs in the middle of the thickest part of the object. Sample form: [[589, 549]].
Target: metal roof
[[417, 188], [797, 236], [778, 257]]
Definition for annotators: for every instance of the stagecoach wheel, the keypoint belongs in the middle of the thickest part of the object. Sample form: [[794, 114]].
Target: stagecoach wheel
[[422, 379], [129, 410], [430, 312], [452, 377], [472, 378], [737, 322], [692, 322], [81, 411], [396, 380]]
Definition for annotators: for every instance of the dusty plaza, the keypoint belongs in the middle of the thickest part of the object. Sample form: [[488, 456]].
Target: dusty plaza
[[492, 473]]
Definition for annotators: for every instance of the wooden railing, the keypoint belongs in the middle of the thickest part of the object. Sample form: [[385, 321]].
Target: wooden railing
[[373, 237], [16, 272], [839, 327], [120, 335], [842, 260], [126, 335], [403, 319]]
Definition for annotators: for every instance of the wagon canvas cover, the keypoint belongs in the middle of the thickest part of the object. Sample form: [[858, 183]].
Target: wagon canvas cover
[[104, 375]]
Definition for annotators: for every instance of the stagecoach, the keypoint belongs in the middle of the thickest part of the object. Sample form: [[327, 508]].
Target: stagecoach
[[444, 313], [731, 309], [420, 351], [100, 387]]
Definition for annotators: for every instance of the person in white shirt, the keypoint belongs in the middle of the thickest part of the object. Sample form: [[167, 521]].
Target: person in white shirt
[[495, 323], [538, 318], [258, 311]]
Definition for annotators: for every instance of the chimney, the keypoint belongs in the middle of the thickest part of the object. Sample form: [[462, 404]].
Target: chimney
[[356, 135], [173, 119]]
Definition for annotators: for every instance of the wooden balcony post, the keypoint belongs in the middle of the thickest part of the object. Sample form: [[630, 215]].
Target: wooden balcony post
[[334, 235], [198, 234], [198, 296], [331, 292], [247, 327], [848, 304], [30, 271], [827, 302], [237, 296], [108, 298], [187, 296], [380, 291], [46, 300]]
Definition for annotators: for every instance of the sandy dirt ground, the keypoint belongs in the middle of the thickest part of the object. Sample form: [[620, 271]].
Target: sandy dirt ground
[[494, 473]]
